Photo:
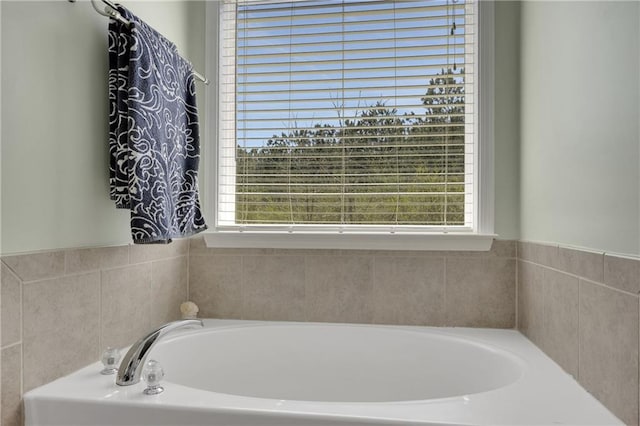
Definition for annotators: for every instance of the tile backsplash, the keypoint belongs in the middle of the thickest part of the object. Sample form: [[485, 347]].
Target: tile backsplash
[[582, 309], [437, 288], [61, 309]]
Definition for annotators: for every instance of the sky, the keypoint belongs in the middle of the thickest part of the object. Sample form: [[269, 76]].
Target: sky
[[303, 63]]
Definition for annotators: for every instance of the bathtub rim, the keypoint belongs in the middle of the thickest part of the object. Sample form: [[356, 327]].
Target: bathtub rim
[[574, 406]]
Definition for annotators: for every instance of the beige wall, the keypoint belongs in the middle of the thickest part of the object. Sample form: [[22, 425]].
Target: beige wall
[[579, 162], [54, 106]]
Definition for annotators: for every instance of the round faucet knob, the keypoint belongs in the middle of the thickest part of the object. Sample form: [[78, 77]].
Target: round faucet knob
[[153, 375], [110, 360]]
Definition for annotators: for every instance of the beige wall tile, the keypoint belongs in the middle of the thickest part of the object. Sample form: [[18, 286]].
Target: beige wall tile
[[531, 300], [198, 247], [11, 386], [609, 348], [480, 292], [504, 248], [140, 253], [91, 259], [168, 289], [227, 251], [36, 266], [10, 306], [215, 285], [126, 305], [305, 252], [542, 254], [60, 320], [622, 273], [499, 248], [390, 253], [196, 244], [273, 288], [560, 331], [409, 290], [585, 264], [283, 252], [339, 289]]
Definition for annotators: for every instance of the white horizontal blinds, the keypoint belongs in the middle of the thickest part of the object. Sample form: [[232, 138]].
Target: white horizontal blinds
[[227, 115], [347, 113]]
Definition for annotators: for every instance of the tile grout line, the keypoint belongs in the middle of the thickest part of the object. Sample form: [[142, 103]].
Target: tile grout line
[[306, 287], [57, 277], [150, 305], [603, 269], [445, 320], [11, 271], [65, 268], [242, 313], [579, 327], [581, 278], [11, 345], [14, 272], [608, 287], [21, 348], [517, 284], [372, 304], [542, 335], [100, 328], [21, 410], [99, 270], [188, 295]]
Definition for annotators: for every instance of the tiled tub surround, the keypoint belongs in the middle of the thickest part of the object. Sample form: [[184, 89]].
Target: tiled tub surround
[[436, 288], [60, 309], [581, 308]]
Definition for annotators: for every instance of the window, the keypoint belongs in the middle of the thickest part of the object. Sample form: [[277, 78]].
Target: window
[[356, 116]]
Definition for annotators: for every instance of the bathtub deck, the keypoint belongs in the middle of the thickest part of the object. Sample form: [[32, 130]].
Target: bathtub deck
[[544, 395]]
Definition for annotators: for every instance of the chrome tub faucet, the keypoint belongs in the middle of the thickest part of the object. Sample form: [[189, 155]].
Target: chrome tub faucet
[[133, 362]]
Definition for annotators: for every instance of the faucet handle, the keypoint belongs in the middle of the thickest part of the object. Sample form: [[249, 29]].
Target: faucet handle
[[110, 360], [153, 375]]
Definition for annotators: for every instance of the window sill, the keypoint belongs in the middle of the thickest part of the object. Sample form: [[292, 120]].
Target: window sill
[[348, 241]]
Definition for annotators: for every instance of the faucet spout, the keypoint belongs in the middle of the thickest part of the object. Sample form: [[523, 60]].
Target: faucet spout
[[133, 362]]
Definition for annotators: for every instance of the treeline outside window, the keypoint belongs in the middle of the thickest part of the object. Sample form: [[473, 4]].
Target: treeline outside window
[[348, 113]]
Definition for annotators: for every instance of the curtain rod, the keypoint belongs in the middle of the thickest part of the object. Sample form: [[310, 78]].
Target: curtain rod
[[111, 11]]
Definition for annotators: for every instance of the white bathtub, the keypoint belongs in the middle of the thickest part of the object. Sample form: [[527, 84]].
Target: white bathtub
[[258, 373]]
